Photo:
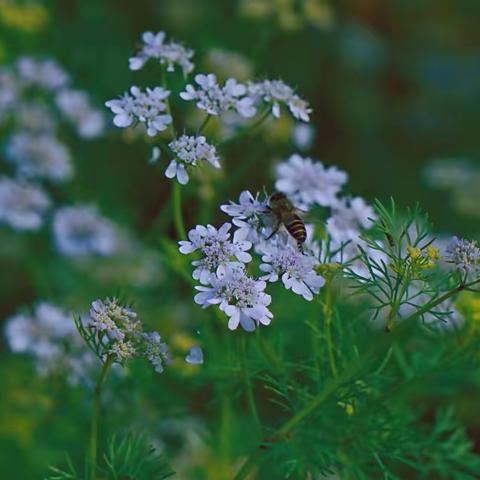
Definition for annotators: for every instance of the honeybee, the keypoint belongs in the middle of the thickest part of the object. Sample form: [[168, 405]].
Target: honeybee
[[286, 214]]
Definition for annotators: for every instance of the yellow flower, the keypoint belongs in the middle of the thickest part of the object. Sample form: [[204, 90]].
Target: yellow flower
[[414, 252], [29, 18], [433, 252]]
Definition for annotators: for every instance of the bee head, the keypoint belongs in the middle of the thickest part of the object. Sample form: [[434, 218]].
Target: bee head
[[277, 197]]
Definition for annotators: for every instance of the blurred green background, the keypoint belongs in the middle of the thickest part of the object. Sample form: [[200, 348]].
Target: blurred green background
[[394, 85]]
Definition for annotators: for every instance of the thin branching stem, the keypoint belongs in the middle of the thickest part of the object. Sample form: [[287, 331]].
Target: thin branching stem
[[248, 130], [247, 381], [327, 316], [177, 211], [95, 413], [347, 375]]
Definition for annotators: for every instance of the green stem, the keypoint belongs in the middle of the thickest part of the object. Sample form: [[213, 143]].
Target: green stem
[[350, 371], [248, 383], [327, 314], [177, 211], [396, 304], [167, 103], [248, 130], [94, 420], [204, 124]]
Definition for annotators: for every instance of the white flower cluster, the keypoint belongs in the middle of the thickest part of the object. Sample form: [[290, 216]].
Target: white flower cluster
[[222, 269], [48, 334], [215, 99], [170, 54], [22, 205], [277, 93], [464, 254], [219, 252], [80, 231], [147, 107], [118, 333], [39, 157], [77, 108], [35, 95], [190, 152], [308, 183]]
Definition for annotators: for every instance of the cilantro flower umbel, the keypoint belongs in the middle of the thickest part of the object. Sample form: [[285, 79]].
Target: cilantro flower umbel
[[118, 334], [241, 297], [190, 152], [307, 182], [216, 99], [219, 252], [147, 107], [171, 54], [247, 216], [277, 93], [464, 254], [297, 270]]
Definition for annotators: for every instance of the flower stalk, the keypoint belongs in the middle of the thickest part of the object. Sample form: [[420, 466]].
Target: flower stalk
[[95, 414]]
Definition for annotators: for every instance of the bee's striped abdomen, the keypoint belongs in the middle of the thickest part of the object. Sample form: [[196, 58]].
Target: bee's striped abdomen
[[296, 228]]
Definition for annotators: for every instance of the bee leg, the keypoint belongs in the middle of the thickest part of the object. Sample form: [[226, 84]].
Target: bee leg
[[300, 247], [275, 230]]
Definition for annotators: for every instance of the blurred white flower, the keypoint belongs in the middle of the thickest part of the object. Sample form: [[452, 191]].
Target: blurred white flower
[[80, 231], [303, 136], [39, 156], [22, 206], [195, 356], [464, 254], [241, 297], [297, 270], [170, 54], [215, 100], [219, 252], [229, 64], [146, 107], [46, 73], [277, 93], [307, 182], [35, 117], [349, 216], [155, 350], [76, 107], [247, 216], [49, 335], [190, 151]]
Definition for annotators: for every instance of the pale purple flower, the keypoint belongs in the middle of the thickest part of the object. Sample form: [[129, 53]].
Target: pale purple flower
[[81, 231], [295, 269], [247, 216], [307, 182], [195, 356], [241, 297], [170, 54], [215, 99], [22, 205], [190, 151], [464, 254], [219, 252], [46, 74], [155, 350], [39, 156], [147, 107], [47, 333], [349, 217], [76, 107], [278, 93]]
